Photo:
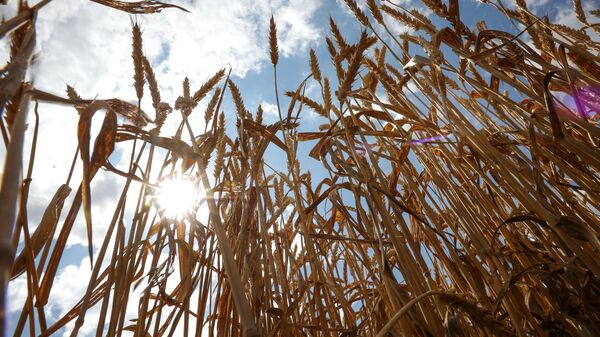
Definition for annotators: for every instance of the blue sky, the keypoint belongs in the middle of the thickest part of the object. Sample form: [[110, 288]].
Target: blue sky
[[88, 46]]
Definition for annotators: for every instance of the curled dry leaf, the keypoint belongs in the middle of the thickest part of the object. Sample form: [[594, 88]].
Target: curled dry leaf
[[44, 231], [103, 147], [139, 7]]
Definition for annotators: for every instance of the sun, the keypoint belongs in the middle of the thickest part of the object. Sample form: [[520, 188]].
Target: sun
[[177, 196]]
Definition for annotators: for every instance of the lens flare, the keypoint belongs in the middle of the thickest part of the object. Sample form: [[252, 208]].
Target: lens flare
[[177, 196]]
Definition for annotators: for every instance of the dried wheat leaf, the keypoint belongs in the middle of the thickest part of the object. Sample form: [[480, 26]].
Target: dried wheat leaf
[[43, 233], [139, 7]]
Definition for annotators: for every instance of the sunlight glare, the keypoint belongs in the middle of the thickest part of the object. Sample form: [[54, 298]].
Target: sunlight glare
[[178, 196]]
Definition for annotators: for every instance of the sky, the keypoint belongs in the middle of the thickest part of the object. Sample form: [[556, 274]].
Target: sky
[[88, 46]]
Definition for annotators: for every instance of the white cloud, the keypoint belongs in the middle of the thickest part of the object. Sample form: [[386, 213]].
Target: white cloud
[[269, 109], [68, 289], [69, 286], [296, 30], [89, 45], [17, 294]]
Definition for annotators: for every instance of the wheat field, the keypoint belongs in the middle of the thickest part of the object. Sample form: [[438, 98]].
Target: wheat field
[[461, 197]]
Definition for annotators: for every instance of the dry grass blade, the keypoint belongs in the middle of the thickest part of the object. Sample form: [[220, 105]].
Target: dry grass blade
[[557, 130], [131, 112], [9, 194], [388, 326], [103, 147], [44, 231], [105, 142], [139, 7]]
